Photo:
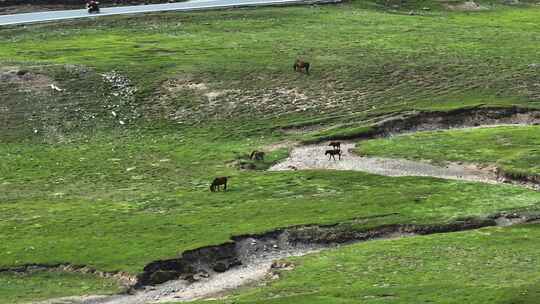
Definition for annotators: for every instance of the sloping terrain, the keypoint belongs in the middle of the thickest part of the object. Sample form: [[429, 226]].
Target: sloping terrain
[[494, 265], [113, 129]]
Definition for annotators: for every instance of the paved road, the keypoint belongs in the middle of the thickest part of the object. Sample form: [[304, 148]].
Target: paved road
[[107, 11]]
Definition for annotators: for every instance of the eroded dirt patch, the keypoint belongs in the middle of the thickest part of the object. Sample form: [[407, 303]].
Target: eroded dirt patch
[[313, 156], [211, 271], [442, 120], [184, 99], [26, 80]]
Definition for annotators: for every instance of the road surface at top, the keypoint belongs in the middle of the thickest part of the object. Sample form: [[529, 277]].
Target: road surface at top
[[121, 10]]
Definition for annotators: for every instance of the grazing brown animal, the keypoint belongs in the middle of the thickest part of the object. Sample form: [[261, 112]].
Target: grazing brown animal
[[257, 155], [300, 65], [336, 145], [218, 181], [333, 153]]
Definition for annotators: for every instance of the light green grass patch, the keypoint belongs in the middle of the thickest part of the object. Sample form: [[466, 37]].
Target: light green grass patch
[[514, 148]]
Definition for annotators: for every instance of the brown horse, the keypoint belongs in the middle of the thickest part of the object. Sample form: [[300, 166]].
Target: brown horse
[[257, 155], [218, 181], [333, 153], [300, 65], [336, 145]]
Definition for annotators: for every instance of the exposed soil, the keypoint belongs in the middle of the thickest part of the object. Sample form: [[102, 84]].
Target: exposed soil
[[26, 80], [211, 271], [313, 156], [442, 120], [211, 100]]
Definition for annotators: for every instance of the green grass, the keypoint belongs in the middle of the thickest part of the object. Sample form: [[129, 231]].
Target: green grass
[[105, 202], [41, 285], [492, 265], [340, 132], [78, 186], [514, 149]]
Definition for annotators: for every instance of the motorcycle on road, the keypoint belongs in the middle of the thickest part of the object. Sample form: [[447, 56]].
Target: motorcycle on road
[[93, 7]]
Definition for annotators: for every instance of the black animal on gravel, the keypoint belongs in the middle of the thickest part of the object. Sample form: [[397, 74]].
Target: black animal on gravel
[[219, 181], [332, 154]]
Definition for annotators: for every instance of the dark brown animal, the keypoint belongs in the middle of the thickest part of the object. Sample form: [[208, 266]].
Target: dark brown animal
[[336, 145], [257, 155], [300, 65], [333, 153], [218, 181]]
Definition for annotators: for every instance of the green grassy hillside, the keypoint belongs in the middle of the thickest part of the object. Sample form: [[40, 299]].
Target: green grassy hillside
[[105, 203], [367, 59], [112, 168]]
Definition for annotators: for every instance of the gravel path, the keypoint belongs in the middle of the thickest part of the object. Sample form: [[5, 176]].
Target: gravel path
[[312, 157]]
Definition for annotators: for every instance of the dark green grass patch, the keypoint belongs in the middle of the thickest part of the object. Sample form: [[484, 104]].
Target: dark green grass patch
[[492, 265], [515, 149]]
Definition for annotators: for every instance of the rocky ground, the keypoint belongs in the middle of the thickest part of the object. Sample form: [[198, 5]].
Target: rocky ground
[[313, 157]]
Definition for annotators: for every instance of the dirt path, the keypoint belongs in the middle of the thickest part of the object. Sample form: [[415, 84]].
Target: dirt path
[[312, 157]]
